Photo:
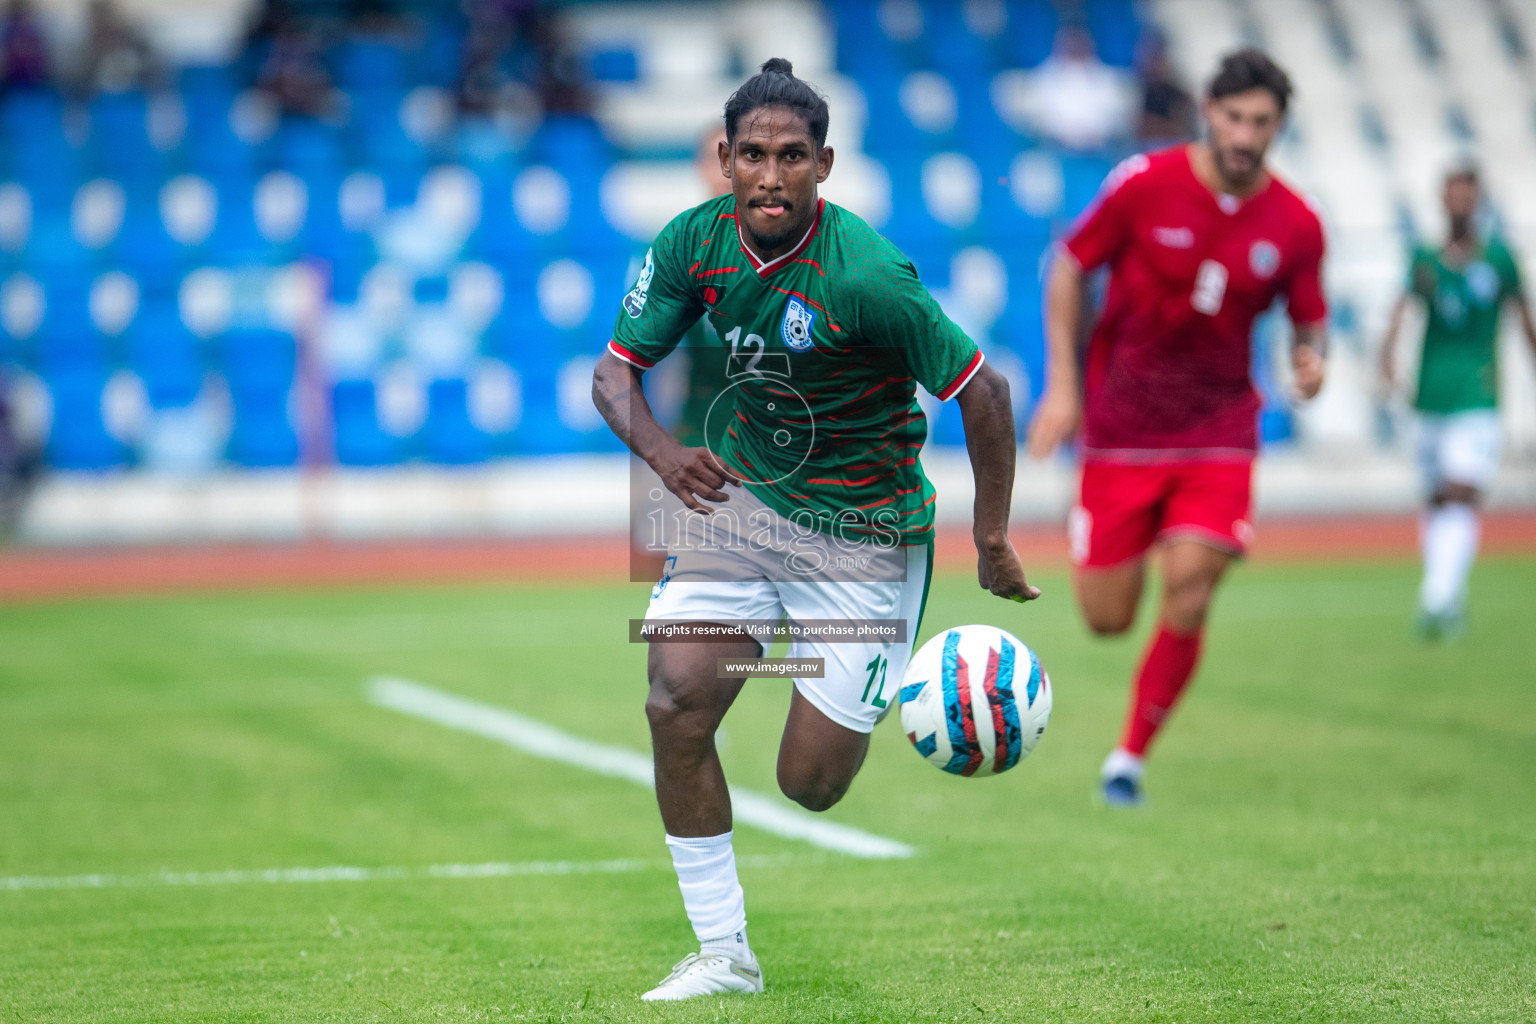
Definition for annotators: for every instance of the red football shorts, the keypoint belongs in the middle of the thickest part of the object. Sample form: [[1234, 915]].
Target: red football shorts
[[1123, 509]]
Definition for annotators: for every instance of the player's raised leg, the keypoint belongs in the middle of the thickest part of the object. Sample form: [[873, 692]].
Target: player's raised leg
[[1191, 571], [686, 704], [818, 758]]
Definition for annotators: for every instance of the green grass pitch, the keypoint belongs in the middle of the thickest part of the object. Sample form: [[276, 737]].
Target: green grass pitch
[[1341, 827]]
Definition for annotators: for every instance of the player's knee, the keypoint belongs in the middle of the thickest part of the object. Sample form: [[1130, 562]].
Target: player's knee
[[679, 720], [1185, 608], [1109, 621], [814, 792]]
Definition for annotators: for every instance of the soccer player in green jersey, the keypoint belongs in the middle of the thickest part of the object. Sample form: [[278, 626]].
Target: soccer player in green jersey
[[704, 355], [812, 505], [1464, 286]]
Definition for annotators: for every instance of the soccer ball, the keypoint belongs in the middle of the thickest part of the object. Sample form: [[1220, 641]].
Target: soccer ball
[[975, 700]]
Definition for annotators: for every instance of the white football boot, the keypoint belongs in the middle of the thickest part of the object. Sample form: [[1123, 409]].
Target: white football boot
[[707, 974]]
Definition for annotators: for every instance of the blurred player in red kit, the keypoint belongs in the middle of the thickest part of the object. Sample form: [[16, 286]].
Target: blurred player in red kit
[[1199, 240]]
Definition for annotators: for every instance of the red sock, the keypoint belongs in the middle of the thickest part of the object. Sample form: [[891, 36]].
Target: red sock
[[1165, 670]]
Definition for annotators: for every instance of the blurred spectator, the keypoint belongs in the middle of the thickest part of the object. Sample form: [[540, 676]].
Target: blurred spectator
[[1076, 99], [294, 73], [1167, 109], [23, 52], [562, 68], [498, 54], [117, 56]]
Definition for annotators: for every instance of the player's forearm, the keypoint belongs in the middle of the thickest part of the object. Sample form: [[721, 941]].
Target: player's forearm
[[1527, 324], [1394, 327], [617, 393], [1063, 322], [986, 408], [1313, 336]]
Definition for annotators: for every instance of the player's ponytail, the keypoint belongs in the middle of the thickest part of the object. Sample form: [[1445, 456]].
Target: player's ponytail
[[775, 85]]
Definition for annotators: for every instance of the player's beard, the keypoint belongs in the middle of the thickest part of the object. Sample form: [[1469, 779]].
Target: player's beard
[[1236, 175]]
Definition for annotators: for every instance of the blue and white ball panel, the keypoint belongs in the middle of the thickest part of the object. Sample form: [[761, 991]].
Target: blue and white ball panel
[[975, 700]]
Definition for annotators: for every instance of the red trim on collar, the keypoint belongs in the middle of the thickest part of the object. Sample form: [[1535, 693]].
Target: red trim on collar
[[778, 263]]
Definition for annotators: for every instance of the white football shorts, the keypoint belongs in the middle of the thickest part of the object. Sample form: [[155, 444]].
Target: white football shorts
[[1460, 448], [746, 561]]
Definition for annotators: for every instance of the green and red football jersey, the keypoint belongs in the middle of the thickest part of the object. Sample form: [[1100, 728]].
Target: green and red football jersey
[[827, 344]]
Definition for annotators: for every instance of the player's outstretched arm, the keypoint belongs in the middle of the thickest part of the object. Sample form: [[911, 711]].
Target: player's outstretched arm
[[1389, 344], [987, 412], [1061, 405], [1527, 325], [689, 473]]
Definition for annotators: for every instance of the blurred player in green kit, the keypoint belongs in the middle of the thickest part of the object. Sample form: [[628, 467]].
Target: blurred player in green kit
[[706, 358], [1464, 286]]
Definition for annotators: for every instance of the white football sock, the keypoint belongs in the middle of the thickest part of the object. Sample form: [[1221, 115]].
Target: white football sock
[[1123, 763], [1450, 539], [706, 874]]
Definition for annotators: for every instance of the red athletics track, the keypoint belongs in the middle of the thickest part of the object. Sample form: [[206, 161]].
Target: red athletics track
[[32, 574]]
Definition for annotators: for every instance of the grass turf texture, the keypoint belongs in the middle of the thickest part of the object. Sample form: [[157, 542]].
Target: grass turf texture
[[1340, 824]]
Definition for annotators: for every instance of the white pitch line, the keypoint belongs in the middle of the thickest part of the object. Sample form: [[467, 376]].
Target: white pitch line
[[335, 873], [551, 744], [347, 873]]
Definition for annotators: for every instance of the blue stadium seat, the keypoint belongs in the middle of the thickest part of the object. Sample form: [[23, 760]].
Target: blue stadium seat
[[370, 64], [78, 438], [952, 48], [890, 135], [360, 441], [66, 333], [1116, 30], [1003, 224], [324, 235], [120, 142], [207, 85], [349, 261], [166, 356], [236, 238], [262, 434], [571, 144], [34, 143], [1082, 175], [1021, 327], [258, 357], [613, 64], [144, 247], [309, 148], [1031, 31], [39, 154], [437, 60], [54, 255], [449, 436], [210, 146], [258, 366]]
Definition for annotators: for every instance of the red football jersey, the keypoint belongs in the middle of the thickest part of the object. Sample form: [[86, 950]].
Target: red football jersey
[[1168, 365]]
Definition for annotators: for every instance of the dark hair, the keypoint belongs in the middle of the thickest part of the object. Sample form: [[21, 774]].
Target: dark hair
[[1466, 170], [776, 86], [1250, 69]]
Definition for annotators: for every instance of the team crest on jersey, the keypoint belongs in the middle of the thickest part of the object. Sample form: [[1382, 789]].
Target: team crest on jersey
[[634, 302], [1264, 258], [1482, 282], [796, 327]]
